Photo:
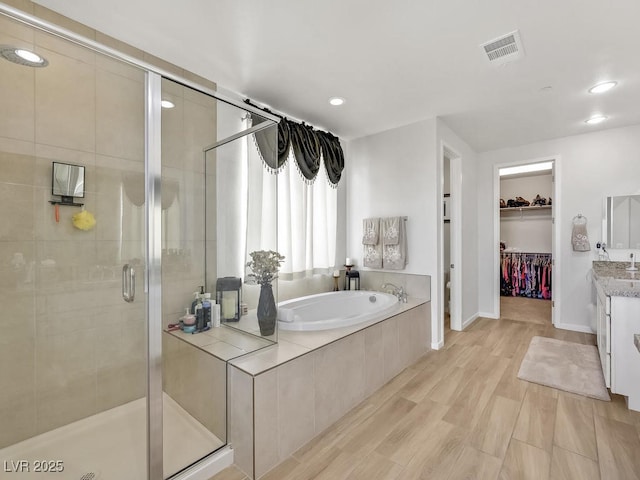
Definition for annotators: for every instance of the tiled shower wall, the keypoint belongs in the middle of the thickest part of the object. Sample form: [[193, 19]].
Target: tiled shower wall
[[70, 346]]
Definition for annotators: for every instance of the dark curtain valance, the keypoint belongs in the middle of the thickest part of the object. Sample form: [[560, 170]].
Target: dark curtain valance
[[333, 156], [273, 155], [306, 150], [308, 146]]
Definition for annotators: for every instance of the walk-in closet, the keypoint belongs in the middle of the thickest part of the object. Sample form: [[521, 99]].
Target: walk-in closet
[[526, 238]]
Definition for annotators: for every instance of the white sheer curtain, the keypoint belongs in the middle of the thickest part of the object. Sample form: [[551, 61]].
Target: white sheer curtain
[[306, 216]]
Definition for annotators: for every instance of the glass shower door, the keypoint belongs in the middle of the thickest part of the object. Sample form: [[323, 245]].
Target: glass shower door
[[72, 352]]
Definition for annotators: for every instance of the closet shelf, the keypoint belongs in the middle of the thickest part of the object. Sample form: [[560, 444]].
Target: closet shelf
[[526, 209]]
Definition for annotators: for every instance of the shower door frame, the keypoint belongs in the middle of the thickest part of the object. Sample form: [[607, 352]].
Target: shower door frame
[[153, 214]]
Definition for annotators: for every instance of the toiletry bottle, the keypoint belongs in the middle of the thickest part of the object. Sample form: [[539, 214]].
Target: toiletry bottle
[[199, 317], [196, 299], [206, 308], [215, 314]]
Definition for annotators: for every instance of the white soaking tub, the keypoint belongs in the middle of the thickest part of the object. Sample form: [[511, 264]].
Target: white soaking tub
[[324, 311]]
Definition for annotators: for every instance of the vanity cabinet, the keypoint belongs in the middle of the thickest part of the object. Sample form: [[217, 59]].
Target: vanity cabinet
[[603, 327], [618, 319]]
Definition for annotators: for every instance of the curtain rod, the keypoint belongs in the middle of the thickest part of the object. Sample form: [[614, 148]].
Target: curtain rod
[[283, 117]]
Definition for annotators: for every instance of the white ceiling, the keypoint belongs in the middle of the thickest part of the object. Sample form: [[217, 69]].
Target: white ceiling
[[397, 62]]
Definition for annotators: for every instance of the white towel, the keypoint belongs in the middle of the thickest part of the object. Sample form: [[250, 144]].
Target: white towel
[[394, 255], [370, 231], [579, 237]]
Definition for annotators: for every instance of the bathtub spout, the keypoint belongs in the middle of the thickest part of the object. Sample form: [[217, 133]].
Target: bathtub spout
[[395, 290]]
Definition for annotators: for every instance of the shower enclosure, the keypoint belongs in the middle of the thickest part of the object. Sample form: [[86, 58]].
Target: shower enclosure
[[93, 381]]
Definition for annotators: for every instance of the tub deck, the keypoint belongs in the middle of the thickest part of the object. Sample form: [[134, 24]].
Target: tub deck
[[293, 344]]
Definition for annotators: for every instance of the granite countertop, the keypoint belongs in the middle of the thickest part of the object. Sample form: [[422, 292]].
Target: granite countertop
[[636, 340], [616, 280]]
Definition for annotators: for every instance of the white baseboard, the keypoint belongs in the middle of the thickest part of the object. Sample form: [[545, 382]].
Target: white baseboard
[[469, 321], [437, 345], [209, 466], [574, 327], [488, 315]]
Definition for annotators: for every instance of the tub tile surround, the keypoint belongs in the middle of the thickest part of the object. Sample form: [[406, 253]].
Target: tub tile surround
[[299, 391]]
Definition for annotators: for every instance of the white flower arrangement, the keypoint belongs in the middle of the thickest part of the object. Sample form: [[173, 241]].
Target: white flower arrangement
[[264, 266]]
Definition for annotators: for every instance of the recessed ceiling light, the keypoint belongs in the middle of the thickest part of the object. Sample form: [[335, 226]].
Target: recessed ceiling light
[[22, 56], [336, 101], [602, 87], [29, 56], [167, 104], [595, 119]]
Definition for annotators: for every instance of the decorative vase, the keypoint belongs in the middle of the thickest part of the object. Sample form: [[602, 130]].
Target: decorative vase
[[267, 310]]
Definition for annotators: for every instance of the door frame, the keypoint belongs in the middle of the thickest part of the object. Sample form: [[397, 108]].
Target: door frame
[[455, 186], [555, 241]]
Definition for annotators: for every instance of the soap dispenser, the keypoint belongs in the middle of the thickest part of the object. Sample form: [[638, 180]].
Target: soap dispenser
[[198, 296]]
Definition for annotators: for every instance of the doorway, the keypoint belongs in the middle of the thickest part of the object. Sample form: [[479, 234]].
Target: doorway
[[450, 310], [525, 241]]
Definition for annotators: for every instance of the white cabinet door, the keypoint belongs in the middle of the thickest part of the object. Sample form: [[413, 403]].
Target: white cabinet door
[[603, 328], [625, 359]]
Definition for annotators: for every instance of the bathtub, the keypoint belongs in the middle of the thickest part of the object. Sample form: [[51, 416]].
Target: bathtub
[[334, 310]]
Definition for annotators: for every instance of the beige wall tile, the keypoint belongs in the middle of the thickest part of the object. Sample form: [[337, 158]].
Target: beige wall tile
[[241, 419], [391, 344], [337, 389], [17, 224], [64, 358], [16, 169], [158, 62], [65, 22], [120, 121], [25, 6], [17, 95], [374, 359], [17, 274], [65, 103], [17, 371], [266, 422], [199, 80], [58, 406], [17, 147], [18, 419], [296, 397], [118, 385]]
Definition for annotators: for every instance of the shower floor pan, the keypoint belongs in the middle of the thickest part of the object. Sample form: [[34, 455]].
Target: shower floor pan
[[109, 446]]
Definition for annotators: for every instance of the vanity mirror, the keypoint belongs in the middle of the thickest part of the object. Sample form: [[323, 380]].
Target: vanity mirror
[[67, 181], [622, 222]]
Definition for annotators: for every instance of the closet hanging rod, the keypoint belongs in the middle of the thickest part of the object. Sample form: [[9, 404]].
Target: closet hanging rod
[[525, 253]]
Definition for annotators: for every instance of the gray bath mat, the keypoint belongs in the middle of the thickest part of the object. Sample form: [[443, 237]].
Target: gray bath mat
[[566, 366]]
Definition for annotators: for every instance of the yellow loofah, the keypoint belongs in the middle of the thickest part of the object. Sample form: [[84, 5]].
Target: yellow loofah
[[84, 220]]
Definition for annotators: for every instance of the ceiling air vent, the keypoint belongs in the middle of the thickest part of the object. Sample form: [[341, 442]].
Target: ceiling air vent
[[506, 48]]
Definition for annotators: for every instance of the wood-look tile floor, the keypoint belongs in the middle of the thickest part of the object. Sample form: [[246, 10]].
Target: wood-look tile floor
[[461, 413]]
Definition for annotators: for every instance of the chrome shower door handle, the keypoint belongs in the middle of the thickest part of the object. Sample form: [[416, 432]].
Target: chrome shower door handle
[[128, 283]]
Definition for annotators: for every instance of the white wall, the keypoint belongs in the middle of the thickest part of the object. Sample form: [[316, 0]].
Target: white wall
[[395, 173], [468, 264], [529, 231], [588, 168], [398, 172]]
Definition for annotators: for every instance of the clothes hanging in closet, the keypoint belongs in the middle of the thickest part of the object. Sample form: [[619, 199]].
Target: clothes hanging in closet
[[526, 275]]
